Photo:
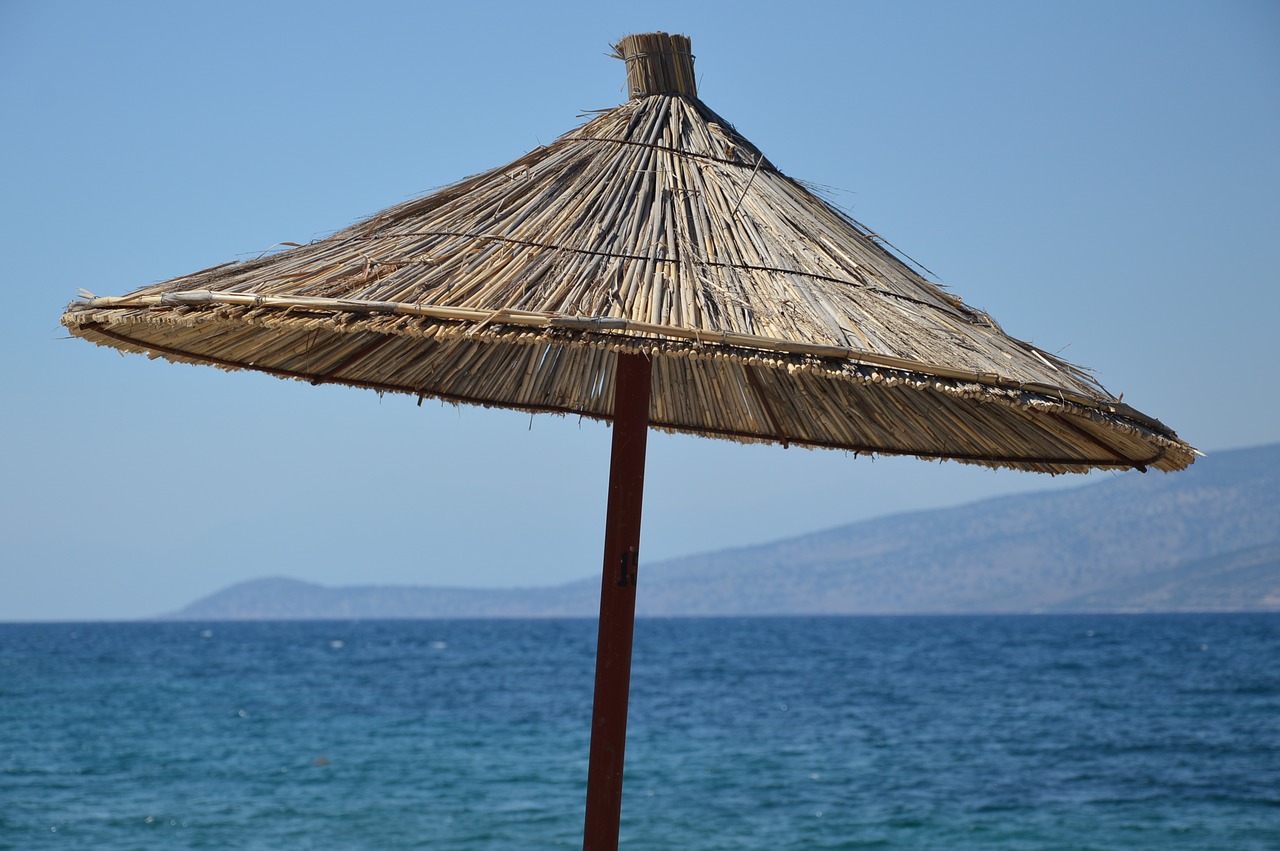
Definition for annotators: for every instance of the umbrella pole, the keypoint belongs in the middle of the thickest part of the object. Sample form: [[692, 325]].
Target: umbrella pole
[[617, 602]]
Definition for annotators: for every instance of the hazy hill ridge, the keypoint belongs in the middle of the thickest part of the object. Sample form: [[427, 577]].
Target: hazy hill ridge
[[1207, 539]]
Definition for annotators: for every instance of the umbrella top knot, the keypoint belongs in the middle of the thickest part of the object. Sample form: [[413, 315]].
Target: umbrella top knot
[[657, 64]]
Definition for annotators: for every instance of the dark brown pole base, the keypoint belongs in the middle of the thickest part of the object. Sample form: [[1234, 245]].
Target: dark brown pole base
[[617, 602]]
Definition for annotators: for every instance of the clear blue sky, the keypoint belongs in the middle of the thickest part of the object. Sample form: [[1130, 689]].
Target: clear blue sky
[[1102, 177]]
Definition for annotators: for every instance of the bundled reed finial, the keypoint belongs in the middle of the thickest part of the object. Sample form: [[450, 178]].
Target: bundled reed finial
[[657, 64]]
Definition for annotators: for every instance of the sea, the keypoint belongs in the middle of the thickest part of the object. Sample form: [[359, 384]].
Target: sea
[[1036, 732]]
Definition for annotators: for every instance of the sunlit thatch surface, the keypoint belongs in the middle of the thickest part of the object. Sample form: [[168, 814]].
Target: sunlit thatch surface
[[769, 315]]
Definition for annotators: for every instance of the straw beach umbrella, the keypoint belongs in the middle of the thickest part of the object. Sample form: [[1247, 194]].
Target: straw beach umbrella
[[650, 268]]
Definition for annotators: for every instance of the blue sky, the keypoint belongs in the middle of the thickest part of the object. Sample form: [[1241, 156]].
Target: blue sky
[[1101, 177]]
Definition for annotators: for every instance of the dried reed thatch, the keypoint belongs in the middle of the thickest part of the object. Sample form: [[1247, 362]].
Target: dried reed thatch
[[769, 316]]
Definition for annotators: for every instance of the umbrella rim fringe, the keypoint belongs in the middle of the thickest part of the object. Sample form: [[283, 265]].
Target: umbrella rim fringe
[[1171, 453], [347, 315]]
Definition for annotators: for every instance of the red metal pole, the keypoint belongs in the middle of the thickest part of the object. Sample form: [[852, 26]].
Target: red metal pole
[[617, 602]]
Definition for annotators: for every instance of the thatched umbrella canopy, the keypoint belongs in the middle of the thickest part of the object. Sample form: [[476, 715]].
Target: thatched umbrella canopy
[[652, 257], [655, 228]]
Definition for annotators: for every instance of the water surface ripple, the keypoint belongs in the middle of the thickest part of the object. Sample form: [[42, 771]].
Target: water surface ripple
[[1071, 732]]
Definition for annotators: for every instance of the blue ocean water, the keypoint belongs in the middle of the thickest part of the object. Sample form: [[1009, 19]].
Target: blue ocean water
[[1069, 732]]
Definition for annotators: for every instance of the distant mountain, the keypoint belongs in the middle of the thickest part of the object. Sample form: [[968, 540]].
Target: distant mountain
[[1207, 539], [291, 599], [1245, 580]]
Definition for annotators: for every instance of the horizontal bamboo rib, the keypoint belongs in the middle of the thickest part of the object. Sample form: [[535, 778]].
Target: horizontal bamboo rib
[[670, 259], [750, 165]]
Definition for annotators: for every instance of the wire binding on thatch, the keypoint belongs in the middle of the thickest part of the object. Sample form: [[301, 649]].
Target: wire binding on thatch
[[655, 227]]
